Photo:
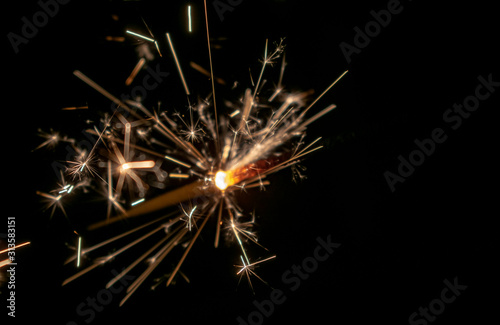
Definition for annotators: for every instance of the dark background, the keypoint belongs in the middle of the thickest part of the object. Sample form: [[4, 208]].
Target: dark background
[[396, 248]]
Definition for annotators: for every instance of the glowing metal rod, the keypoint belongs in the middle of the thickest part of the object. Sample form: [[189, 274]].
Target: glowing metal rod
[[162, 201]]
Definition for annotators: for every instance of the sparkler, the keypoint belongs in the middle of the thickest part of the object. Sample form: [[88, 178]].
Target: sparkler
[[214, 157]]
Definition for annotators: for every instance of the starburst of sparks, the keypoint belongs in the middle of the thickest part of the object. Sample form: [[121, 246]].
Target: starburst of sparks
[[213, 157]]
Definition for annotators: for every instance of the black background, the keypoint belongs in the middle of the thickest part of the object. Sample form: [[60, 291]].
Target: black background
[[396, 248]]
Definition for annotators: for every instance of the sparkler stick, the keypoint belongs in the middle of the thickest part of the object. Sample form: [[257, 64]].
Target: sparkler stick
[[187, 192]]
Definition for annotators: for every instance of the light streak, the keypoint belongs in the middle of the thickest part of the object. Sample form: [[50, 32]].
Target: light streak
[[135, 71], [190, 27], [176, 175], [149, 39], [138, 164], [178, 162], [74, 108], [15, 247], [79, 252], [186, 89], [138, 201], [217, 144]]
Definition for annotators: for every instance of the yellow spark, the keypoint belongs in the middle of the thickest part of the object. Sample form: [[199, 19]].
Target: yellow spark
[[174, 175], [4, 262], [115, 38], [15, 247], [134, 72], [138, 164], [233, 114], [178, 162], [73, 108]]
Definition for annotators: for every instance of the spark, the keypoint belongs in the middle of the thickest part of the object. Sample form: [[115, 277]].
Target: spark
[[135, 71], [186, 89], [74, 108], [217, 144], [189, 216], [138, 164], [138, 201], [176, 175], [248, 268], [178, 162], [189, 19], [141, 36], [15, 247], [79, 252]]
